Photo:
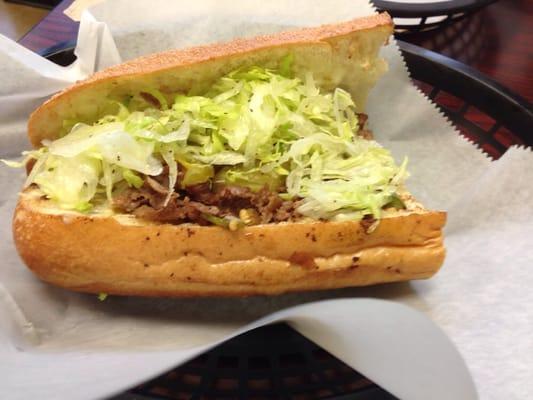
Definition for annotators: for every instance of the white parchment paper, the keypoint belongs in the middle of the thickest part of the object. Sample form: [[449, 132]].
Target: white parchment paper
[[56, 344]]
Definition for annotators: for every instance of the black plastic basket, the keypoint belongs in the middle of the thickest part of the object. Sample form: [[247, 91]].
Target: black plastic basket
[[483, 110], [272, 362], [276, 362], [416, 17]]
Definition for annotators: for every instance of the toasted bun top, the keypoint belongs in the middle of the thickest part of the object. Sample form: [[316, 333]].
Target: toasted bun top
[[339, 55]]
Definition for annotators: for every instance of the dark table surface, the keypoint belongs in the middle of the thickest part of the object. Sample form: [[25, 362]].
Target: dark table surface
[[497, 41]]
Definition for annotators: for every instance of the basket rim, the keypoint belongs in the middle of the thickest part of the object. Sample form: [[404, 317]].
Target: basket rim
[[417, 10]]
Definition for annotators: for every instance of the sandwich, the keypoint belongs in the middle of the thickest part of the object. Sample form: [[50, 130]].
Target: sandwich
[[234, 169]]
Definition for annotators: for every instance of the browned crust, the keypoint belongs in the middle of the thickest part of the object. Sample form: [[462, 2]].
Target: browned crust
[[132, 257], [238, 47], [176, 60], [105, 254]]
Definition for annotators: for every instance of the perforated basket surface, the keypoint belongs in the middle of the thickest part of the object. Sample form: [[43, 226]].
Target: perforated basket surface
[[273, 362], [276, 362]]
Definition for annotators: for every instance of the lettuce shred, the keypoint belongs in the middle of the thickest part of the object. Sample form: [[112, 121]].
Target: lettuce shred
[[254, 127]]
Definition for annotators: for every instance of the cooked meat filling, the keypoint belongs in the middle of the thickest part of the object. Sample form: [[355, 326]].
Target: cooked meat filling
[[199, 202]]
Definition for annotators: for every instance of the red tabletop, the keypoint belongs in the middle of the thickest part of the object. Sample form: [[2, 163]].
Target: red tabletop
[[54, 29], [497, 41]]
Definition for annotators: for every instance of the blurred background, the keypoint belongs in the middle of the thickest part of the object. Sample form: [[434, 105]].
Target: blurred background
[[16, 18]]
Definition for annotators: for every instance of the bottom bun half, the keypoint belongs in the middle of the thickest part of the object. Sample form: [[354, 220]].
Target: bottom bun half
[[122, 255]]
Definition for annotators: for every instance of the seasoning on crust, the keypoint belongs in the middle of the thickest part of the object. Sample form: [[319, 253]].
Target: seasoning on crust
[[184, 197], [122, 255]]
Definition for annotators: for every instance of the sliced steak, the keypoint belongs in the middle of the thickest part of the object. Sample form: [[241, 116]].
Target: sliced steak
[[189, 204]]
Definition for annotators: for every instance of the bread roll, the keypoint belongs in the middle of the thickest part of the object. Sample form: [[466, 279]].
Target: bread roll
[[121, 254]]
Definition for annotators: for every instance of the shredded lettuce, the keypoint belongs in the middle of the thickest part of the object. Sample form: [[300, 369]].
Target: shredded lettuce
[[254, 127], [12, 163], [70, 181], [222, 222], [133, 179], [252, 178]]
